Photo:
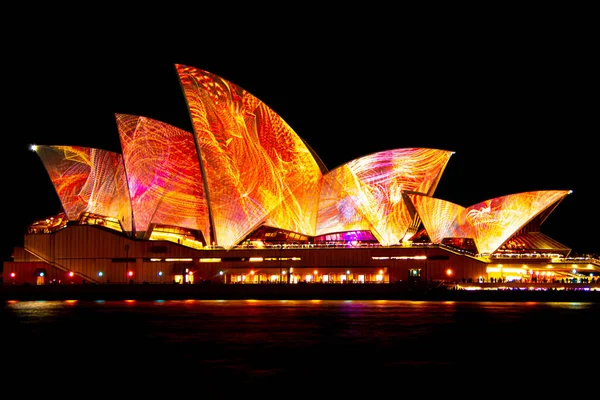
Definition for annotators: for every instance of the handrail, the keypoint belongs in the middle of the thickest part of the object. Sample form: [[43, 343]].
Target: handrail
[[62, 267]]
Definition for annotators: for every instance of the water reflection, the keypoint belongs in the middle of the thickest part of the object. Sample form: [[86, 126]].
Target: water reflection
[[261, 340]]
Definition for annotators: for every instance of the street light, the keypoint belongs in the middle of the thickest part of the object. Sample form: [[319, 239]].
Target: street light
[[280, 255], [126, 261], [426, 271]]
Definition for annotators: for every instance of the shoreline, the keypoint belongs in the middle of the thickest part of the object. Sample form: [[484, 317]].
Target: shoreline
[[93, 292]]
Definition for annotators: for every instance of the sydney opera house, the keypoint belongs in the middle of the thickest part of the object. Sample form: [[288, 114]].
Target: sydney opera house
[[244, 199]]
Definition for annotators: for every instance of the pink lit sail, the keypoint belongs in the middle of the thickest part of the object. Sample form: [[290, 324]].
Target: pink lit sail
[[257, 169], [163, 170], [366, 193], [88, 180], [490, 223]]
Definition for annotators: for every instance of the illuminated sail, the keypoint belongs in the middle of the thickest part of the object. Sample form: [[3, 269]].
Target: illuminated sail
[[163, 174], [490, 223], [439, 218], [88, 180], [366, 193], [498, 219], [257, 169]]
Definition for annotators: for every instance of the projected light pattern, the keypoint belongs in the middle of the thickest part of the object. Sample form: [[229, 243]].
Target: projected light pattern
[[257, 169], [243, 167], [366, 193], [497, 219], [88, 180], [491, 222], [163, 171], [440, 217]]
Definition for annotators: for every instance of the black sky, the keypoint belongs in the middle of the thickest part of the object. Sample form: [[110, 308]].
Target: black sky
[[518, 110]]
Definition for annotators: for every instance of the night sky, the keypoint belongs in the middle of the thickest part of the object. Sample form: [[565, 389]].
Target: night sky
[[518, 111]]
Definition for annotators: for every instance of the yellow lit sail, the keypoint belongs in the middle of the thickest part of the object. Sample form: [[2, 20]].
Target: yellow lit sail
[[490, 223], [257, 169]]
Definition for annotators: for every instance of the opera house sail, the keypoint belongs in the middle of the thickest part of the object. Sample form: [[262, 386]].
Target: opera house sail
[[163, 175], [88, 181], [489, 223], [366, 193], [257, 169]]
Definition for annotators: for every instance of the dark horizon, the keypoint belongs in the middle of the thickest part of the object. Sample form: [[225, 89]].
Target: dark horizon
[[517, 119]]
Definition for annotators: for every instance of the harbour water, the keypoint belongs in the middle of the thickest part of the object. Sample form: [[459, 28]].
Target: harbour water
[[359, 344]]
